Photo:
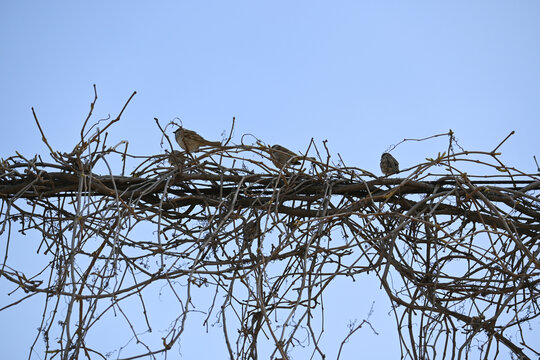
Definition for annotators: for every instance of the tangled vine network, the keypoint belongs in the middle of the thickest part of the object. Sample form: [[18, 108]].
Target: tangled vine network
[[456, 253]]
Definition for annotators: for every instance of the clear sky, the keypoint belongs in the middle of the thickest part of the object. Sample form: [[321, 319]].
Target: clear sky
[[361, 74]]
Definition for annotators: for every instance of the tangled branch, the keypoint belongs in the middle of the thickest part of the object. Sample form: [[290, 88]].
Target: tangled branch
[[456, 252]]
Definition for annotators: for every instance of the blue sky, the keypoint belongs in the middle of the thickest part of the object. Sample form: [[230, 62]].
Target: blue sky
[[361, 74]]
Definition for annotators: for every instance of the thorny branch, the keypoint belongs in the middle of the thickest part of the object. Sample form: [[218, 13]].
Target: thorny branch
[[456, 253]]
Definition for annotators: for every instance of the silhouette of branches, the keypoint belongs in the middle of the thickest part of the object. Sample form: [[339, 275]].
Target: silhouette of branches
[[455, 251]]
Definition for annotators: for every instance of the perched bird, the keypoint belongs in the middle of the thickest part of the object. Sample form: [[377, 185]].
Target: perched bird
[[176, 158], [191, 141], [251, 230], [281, 156], [389, 165]]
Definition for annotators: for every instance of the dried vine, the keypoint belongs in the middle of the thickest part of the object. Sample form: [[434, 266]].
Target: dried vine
[[456, 252]]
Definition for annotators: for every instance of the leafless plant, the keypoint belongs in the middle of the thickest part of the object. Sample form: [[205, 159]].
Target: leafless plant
[[456, 253]]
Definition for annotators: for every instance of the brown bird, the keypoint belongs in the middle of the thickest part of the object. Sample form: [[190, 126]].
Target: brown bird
[[191, 141], [251, 230], [389, 165], [282, 156], [176, 158]]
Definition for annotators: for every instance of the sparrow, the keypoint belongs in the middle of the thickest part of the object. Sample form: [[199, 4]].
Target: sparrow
[[251, 230], [389, 165], [191, 141], [281, 156], [176, 158]]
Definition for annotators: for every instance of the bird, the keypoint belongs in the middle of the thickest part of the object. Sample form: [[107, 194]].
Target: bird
[[191, 141], [251, 230], [389, 165], [176, 158], [282, 156]]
